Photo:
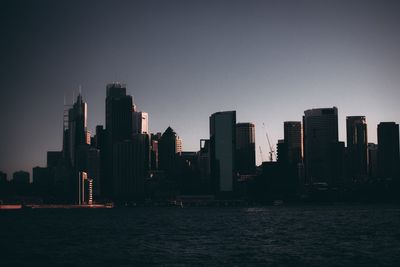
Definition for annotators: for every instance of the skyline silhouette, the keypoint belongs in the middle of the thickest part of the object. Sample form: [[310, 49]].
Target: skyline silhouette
[[183, 61]]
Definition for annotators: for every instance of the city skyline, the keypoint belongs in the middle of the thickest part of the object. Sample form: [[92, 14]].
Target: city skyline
[[267, 61]]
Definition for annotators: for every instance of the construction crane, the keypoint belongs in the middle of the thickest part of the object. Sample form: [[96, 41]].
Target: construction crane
[[261, 154], [271, 149]]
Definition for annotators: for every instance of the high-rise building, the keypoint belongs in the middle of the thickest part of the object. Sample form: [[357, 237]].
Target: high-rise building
[[168, 148], [204, 159], [222, 150], [155, 138], [77, 131], [245, 148], [129, 168], [357, 143], [293, 139], [118, 129], [140, 122], [372, 161], [320, 144], [388, 150], [118, 113]]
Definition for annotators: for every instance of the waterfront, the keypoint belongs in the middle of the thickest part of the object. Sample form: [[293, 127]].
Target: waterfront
[[340, 235]]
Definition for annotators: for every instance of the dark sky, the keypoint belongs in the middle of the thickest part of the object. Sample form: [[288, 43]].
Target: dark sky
[[183, 60]]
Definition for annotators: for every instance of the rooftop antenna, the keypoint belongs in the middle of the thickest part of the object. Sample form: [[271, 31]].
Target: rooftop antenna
[[80, 89]]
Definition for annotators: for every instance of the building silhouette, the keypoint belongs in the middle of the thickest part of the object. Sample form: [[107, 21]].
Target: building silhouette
[[169, 146], [77, 126], [154, 138], [320, 144], [357, 143], [372, 161], [293, 138], [118, 129], [129, 169], [140, 123], [245, 148], [388, 151], [21, 178], [222, 151]]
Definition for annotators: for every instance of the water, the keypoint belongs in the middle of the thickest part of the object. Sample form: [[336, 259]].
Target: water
[[264, 236]]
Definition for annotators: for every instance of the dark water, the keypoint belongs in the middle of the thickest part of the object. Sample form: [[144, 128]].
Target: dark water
[[265, 236]]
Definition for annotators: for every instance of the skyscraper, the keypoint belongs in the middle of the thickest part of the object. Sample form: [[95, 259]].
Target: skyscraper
[[320, 143], [222, 148], [293, 139], [245, 148], [118, 113], [357, 143], [372, 161], [118, 129], [77, 129], [167, 150], [129, 168], [388, 150], [140, 122]]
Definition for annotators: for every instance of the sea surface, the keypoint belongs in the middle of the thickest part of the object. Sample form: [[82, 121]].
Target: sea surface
[[338, 235]]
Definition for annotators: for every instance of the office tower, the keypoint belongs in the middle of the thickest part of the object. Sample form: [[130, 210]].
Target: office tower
[[21, 177], [140, 123], [293, 139], [118, 113], [118, 128], [129, 168], [222, 148], [372, 161], [388, 150], [245, 148], [320, 140], [168, 148], [77, 131], [357, 143]]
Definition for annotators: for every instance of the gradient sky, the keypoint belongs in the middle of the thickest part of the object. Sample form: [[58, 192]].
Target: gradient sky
[[184, 60]]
